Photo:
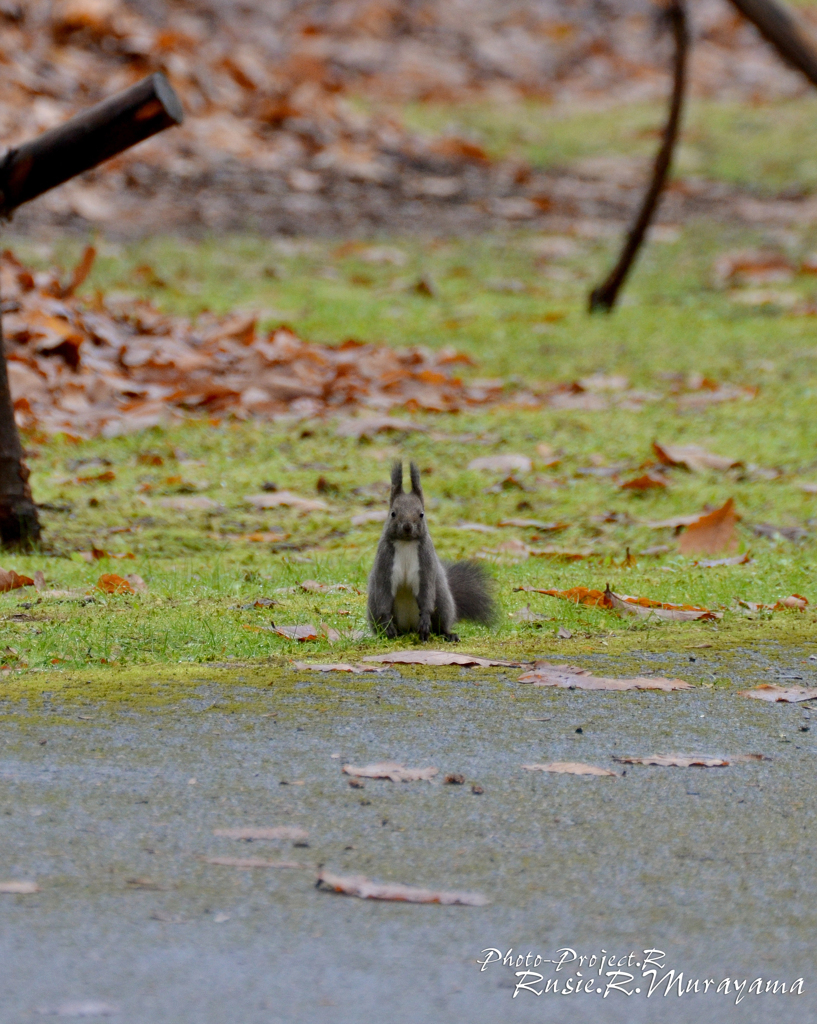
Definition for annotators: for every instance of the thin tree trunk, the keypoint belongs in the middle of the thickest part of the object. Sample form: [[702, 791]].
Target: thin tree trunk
[[779, 28], [19, 523], [603, 296]]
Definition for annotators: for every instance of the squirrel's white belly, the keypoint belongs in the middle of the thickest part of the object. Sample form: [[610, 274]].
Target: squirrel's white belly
[[405, 584]]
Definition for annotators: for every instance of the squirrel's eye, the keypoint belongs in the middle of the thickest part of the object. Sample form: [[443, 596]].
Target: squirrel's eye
[[394, 515], [422, 515]]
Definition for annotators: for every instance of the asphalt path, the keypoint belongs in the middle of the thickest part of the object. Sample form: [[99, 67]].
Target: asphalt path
[[112, 813]]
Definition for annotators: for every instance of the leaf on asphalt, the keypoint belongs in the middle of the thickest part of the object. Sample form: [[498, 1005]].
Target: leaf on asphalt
[[366, 889], [784, 694], [20, 886], [676, 761], [714, 563], [369, 426], [247, 863], [438, 658], [692, 457], [300, 633], [110, 583], [275, 832], [711, 533], [10, 580], [502, 464], [391, 770], [287, 499], [645, 482], [569, 768], [304, 666], [534, 524], [571, 677]]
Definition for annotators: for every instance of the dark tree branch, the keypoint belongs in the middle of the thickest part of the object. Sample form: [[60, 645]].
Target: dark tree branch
[[26, 172], [603, 296], [778, 27], [86, 140]]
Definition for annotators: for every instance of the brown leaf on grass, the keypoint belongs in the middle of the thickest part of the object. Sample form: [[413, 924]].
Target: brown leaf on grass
[[110, 583], [795, 601], [559, 555], [10, 580], [645, 607], [137, 583], [714, 563], [251, 832], [367, 427], [569, 768], [81, 271], [784, 694], [692, 457], [711, 533], [248, 863], [502, 464], [20, 886], [752, 267], [315, 587], [626, 604], [350, 635], [675, 523], [366, 889], [39, 579], [287, 499], [700, 400], [534, 524], [300, 633], [645, 482], [304, 666], [676, 761], [192, 503], [107, 477], [438, 658], [391, 770], [376, 516], [572, 677]]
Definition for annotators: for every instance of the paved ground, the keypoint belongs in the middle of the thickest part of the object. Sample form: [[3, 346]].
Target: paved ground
[[715, 867]]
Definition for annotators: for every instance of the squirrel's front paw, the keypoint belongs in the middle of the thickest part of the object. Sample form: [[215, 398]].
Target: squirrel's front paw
[[424, 628], [391, 631]]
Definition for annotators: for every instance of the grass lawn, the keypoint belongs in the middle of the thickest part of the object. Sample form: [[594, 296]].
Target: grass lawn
[[518, 316]]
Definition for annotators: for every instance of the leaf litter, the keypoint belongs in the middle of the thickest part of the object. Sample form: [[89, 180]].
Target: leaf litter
[[570, 768], [624, 604], [690, 760], [390, 770], [572, 677], [782, 694], [366, 889]]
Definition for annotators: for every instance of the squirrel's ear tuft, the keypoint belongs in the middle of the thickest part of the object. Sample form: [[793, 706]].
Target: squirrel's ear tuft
[[396, 480], [416, 486]]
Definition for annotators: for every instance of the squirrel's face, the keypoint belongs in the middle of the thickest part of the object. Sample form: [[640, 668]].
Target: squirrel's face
[[406, 518]]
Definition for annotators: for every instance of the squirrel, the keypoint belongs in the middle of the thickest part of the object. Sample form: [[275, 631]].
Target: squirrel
[[410, 588]]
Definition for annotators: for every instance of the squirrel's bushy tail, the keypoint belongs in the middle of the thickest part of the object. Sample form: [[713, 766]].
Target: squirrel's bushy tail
[[471, 586]]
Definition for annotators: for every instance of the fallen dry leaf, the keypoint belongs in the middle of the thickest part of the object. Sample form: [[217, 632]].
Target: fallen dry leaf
[[10, 580], [366, 889], [692, 457], [337, 667], [578, 595], [711, 533], [534, 524], [300, 633], [369, 426], [278, 498], [572, 677], [645, 482], [251, 832], [676, 761], [313, 586], [247, 863], [110, 583], [438, 658], [714, 563], [569, 768], [502, 464], [784, 694], [796, 601], [19, 886], [391, 770], [752, 267], [192, 503], [625, 604]]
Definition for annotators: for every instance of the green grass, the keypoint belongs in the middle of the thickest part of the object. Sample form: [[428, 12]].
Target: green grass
[[769, 148], [200, 573]]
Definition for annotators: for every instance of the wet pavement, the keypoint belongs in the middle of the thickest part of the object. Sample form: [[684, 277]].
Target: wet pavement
[[112, 813]]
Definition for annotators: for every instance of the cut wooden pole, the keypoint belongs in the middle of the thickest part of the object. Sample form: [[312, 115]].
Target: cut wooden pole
[[26, 172], [603, 296]]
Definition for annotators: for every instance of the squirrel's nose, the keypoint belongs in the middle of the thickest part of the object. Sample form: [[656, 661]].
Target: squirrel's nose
[[406, 527]]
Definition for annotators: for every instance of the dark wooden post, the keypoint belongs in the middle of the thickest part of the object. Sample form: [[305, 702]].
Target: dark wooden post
[[26, 172]]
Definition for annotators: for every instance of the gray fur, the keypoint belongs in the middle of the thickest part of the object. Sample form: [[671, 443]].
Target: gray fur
[[443, 593]]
